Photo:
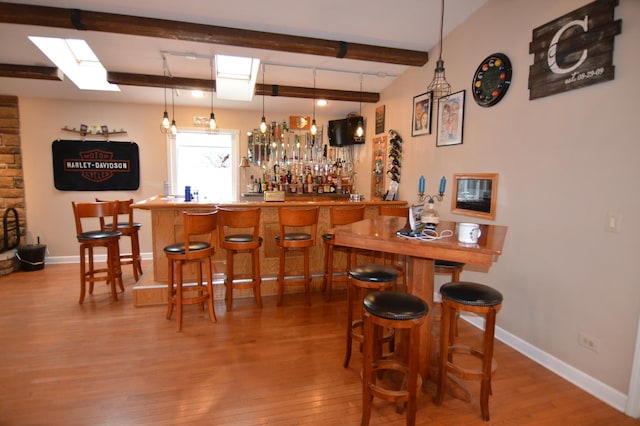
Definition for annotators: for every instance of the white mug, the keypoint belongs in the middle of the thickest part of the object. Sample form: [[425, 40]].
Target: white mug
[[469, 233]]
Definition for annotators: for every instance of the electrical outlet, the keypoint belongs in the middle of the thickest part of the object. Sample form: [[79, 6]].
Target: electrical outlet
[[588, 342]]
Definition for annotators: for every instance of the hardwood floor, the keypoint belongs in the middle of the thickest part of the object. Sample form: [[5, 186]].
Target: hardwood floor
[[110, 363]]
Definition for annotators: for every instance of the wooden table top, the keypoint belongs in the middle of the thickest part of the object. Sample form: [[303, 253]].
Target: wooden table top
[[379, 234]]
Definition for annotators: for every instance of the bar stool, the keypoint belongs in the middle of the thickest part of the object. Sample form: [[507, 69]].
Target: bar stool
[[368, 277], [191, 250], [130, 229], [338, 216], [399, 262], [479, 299], [238, 231], [98, 237], [398, 311], [297, 232]]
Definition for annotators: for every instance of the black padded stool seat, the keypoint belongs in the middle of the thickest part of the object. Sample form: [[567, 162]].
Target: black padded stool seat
[[295, 236], [367, 277], [179, 248], [395, 306], [479, 299], [374, 273], [395, 310], [472, 294], [240, 238]]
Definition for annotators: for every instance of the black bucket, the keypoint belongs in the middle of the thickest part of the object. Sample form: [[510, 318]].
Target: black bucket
[[31, 256]]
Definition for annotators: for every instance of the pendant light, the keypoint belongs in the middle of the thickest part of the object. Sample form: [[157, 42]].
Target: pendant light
[[314, 128], [439, 86], [263, 123], [174, 127], [212, 118], [360, 128], [164, 127]]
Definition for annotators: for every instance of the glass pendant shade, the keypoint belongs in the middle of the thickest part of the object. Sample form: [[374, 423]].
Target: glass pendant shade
[[212, 122], [314, 128], [439, 86], [263, 125], [165, 120], [360, 129], [174, 128]]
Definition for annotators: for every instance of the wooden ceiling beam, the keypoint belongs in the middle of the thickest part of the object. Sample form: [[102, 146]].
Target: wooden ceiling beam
[[31, 71], [182, 83], [12, 13]]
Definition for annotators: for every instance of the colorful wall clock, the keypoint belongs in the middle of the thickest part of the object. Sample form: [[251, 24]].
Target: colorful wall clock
[[491, 80]]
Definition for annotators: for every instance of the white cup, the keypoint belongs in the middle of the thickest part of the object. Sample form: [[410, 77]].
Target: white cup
[[469, 233]]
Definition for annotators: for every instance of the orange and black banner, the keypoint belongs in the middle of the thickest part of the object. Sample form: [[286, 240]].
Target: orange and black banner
[[95, 166]]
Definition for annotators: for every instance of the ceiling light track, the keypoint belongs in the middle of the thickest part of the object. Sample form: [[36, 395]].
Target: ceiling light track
[[56, 17]]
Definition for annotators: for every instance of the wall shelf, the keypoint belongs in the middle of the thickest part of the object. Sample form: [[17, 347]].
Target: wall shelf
[[91, 132]]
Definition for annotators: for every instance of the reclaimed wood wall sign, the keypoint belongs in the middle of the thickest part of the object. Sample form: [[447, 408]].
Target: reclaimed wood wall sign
[[574, 50]]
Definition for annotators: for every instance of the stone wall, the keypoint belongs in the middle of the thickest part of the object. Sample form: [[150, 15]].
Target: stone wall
[[11, 177]]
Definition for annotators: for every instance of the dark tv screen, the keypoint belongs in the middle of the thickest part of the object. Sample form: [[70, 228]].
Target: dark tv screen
[[342, 132]]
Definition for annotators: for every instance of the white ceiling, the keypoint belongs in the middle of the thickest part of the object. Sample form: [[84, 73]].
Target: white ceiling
[[406, 24]]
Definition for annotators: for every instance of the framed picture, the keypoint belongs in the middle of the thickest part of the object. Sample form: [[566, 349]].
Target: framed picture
[[475, 194], [380, 119], [421, 122], [450, 119]]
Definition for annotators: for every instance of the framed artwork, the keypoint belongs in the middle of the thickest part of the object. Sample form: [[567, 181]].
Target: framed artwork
[[421, 122], [380, 119], [450, 119], [475, 194]]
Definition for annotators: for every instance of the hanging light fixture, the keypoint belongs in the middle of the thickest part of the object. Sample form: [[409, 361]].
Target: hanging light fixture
[[439, 86], [174, 127], [263, 123], [212, 118], [314, 128], [164, 127], [360, 128]]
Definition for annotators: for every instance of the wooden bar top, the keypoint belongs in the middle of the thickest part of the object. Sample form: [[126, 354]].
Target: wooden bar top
[[173, 202]]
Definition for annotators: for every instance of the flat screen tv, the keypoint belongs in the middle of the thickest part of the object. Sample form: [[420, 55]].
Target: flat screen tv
[[342, 132]]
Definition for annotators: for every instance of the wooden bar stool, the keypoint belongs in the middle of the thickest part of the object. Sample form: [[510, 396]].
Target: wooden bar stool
[[479, 299], [365, 278], [238, 231], [338, 216], [394, 310], [297, 232], [130, 229], [454, 269], [191, 249], [98, 236]]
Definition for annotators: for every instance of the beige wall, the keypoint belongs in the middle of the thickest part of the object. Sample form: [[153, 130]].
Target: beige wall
[[566, 162]]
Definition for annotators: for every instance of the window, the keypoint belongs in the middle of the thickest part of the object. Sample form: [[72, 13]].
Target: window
[[206, 162]]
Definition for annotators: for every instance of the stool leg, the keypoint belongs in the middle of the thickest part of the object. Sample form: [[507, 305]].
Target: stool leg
[[445, 329], [83, 276], [228, 281], [412, 386], [91, 269], [328, 275], [179, 297], [487, 358], [135, 250], [212, 312], [283, 253], [350, 296], [367, 370], [111, 268], [307, 276], [255, 259], [170, 290]]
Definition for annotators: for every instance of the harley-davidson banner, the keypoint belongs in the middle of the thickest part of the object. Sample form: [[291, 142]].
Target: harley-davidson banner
[[95, 166]]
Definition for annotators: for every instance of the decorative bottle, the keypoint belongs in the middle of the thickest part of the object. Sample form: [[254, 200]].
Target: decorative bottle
[[430, 218]]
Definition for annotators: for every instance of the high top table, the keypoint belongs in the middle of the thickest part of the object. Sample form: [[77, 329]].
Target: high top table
[[379, 234]]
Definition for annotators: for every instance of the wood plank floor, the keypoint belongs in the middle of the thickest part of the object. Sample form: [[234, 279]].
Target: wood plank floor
[[109, 363]]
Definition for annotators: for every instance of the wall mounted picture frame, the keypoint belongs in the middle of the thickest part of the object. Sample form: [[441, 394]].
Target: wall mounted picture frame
[[380, 119], [475, 194], [450, 119], [421, 121]]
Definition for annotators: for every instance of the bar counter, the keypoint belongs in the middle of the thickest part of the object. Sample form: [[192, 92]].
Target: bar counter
[[166, 228]]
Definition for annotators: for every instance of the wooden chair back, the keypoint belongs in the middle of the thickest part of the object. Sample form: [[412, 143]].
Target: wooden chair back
[[197, 226], [100, 212], [345, 215], [398, 211], [124, 213], [245, 222], [291, 218]]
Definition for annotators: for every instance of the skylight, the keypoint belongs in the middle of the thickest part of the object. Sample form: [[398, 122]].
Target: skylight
[[236, 77], [77, 61]]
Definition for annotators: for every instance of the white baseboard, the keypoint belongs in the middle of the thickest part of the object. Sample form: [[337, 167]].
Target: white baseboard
[[600, 390], [76, 259]]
